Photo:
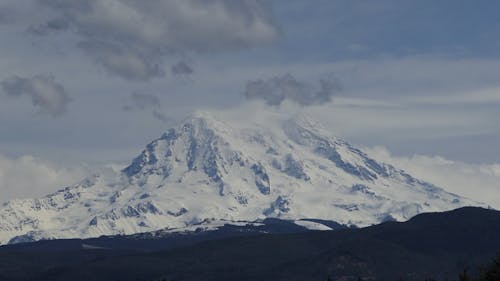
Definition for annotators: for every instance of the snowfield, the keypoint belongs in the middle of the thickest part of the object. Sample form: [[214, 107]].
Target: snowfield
[[210, 170]]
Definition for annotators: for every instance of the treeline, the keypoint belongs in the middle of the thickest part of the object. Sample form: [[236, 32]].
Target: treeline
[[489, 272]]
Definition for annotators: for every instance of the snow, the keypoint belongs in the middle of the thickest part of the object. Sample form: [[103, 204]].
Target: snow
[[210, 170], [312, 225]]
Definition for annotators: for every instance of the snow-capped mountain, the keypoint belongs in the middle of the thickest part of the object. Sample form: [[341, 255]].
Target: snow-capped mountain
[[207, 171]]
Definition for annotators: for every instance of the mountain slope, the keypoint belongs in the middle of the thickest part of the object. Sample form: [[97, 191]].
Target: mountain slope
[[207, 170], [433, 245]]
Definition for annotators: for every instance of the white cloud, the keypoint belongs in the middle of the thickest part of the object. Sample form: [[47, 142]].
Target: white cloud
[[28, 177], [475, 181], [484, 95]]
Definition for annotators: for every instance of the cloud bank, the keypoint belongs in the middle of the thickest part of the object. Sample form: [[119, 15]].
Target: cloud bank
[[475, 181], [129, 38], [45, 93], [27, 177], [276, 90]]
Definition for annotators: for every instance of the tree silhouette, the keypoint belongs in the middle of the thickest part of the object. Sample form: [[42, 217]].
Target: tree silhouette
[[464, 276], [492, 271]]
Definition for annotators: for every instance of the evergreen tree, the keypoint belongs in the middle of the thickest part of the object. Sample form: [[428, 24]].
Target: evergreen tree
[[464, 276], [492, 271]]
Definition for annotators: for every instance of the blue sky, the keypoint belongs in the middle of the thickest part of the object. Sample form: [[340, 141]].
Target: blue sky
[[333, 30], [93, 81]]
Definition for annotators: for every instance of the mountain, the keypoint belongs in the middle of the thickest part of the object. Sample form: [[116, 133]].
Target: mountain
[[209, 170], [431, 246]]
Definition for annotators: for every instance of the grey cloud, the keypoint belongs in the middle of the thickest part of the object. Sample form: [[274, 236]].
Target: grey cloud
[[22, 14], [3, 17], [45, 28], [45, 92], [181, 68], [8, 12], [146, 102], [128, 64], [143, 101], [276, 90], [161, 116], [130, 38]]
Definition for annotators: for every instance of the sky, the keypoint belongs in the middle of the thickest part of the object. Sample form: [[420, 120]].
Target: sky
[[88, 83]]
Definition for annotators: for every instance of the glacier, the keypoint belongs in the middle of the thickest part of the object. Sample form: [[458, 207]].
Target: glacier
[[209, 170]]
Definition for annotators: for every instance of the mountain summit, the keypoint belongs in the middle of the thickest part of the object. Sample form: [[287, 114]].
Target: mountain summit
[[207, 171]]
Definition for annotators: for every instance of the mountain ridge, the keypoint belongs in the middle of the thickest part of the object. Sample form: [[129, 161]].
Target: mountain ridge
[[207, 170], [430, 245]]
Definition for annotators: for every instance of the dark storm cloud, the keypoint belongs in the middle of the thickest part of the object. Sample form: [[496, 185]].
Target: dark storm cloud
[[45, 93], [181, 68], [130, 38], [276, 90]]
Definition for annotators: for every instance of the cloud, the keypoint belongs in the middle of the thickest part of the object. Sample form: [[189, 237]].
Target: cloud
[[128, 64], [276, 90], [9, 12], [146, 102], [161, 116], [142, 101], [181, 68], [130, 38], [27, 176], [475, 181], [45, 92], [4, 18], [48, 26]]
